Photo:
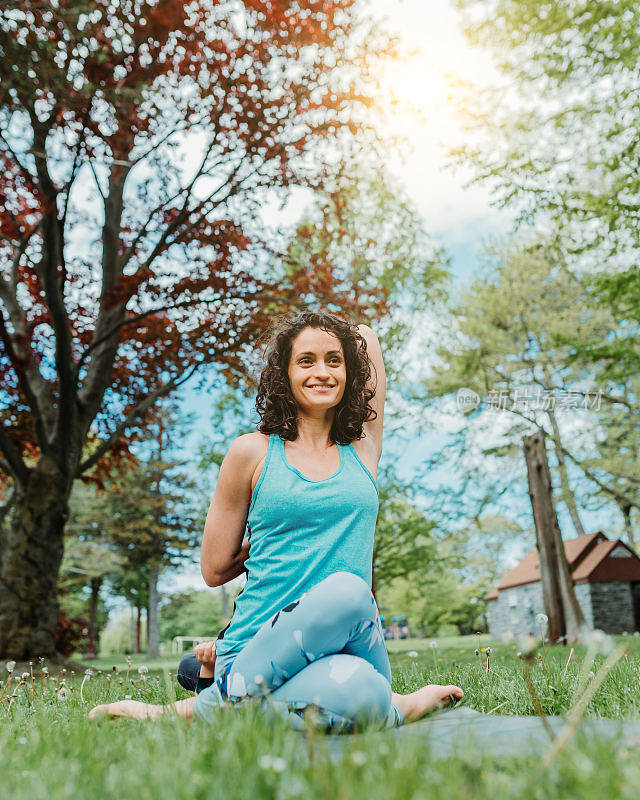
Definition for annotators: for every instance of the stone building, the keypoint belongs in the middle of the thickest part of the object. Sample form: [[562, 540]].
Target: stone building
[[606, 578]]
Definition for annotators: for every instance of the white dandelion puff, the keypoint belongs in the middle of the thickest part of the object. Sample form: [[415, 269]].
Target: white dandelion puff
[[10, 666], [143, 670], [528, 646], [598, 640], [433, 644], [412, 654], [63, 694], [542, 619]]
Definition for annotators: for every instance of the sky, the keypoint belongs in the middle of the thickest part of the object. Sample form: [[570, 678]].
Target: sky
[[457, 216]]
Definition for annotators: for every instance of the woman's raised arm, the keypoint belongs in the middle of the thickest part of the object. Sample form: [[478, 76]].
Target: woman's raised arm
[[378, 382]]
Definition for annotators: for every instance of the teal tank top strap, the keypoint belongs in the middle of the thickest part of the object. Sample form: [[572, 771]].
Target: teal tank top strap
[[270, 448], [352, 449]]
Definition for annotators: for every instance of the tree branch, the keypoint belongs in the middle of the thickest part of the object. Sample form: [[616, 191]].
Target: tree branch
[[52, 255], [131, 417], [617, 495], [6, 507], [13, 460], [36, 390]]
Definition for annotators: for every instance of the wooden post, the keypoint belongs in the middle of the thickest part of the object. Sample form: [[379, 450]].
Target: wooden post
[[545, 519], [561, 603]]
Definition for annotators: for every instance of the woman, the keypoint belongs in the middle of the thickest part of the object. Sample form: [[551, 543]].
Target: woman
[[305, 631]]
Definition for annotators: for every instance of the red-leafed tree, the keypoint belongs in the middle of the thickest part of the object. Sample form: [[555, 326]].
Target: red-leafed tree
[[137, 142]]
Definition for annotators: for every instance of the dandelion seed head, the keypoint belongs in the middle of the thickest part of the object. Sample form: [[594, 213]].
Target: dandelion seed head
[[25, 676], [433, 644], [21, 740], [142, 669], [598, 640], [412, 654], [10, 666], [89, 673], [63, 694], [528, 646], [358, 758]]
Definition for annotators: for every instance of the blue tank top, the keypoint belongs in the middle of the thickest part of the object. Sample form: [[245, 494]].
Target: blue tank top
[[301, 530]]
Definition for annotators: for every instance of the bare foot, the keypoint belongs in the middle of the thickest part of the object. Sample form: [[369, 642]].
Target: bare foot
[[132, 709], [417, 704]]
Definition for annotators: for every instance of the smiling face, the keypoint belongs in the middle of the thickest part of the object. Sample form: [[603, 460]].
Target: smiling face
[[317, 369]]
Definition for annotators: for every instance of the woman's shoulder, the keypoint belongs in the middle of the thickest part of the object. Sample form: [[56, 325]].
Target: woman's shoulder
[[250, 452], [250, 447]]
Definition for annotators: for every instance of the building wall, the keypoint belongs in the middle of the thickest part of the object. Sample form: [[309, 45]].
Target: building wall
[[607, 606], [583, 596], [513, 614], [612, 606]]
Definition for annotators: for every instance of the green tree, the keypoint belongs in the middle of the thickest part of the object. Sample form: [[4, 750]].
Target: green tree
[[558, 141], [154, 524], [510, 341], [404, 538], [191, 613]]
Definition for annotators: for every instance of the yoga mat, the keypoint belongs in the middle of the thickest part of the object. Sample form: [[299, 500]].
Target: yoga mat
[[458, 730]]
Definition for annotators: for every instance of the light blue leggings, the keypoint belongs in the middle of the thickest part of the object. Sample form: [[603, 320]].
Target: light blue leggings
[[326, 651]]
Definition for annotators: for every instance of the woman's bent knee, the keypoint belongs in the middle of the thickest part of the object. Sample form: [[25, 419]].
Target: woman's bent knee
[[346, 591]]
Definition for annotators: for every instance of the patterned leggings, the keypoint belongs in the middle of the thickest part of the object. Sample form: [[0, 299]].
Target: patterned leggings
[[326, 651]]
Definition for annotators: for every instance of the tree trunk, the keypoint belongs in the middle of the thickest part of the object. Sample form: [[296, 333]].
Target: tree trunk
[[31, 547], [561, 606], [625, 508], [153, 638], [568, 496], [137, 629], [92, 645]]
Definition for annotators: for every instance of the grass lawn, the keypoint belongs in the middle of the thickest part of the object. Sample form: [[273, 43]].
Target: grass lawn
[[49, 750]]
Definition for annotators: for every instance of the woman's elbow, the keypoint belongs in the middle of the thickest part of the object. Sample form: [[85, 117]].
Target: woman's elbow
[[211, 576]]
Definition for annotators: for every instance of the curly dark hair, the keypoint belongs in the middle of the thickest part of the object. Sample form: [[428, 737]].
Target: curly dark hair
[[275, 404]]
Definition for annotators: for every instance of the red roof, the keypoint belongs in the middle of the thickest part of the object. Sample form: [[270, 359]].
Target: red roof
[[588, 557]]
